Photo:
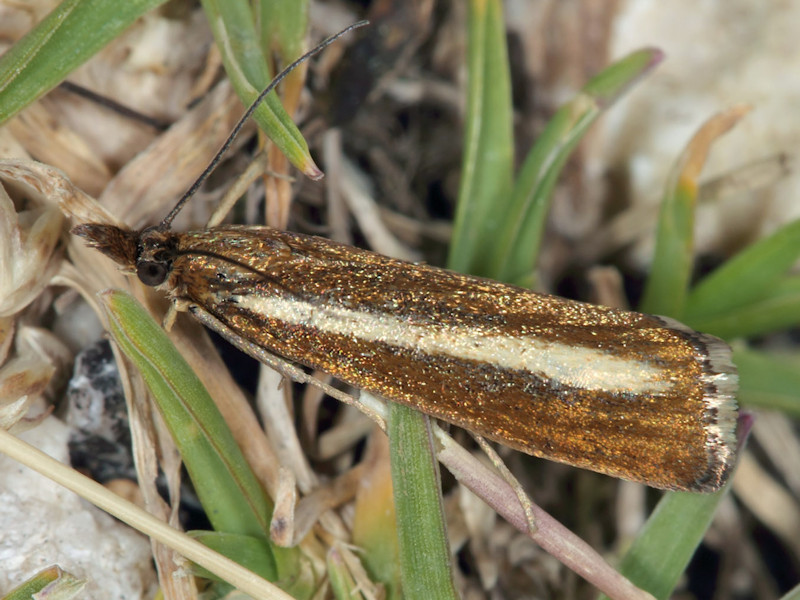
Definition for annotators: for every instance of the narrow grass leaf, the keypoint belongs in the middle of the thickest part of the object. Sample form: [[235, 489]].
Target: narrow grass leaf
[[283, 25], [768, 380], [69, 36], [253, 553], [234, 28], [488, 143], [485, 183], [51, 583], [659, 555], [343, 585], [747, 277], [231, 495], [515, 253], [424, 551], [227, 488], [778, 308], [667, 286]]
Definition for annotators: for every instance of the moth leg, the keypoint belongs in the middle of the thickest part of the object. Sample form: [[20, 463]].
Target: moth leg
[[169, 317], [508, 476]]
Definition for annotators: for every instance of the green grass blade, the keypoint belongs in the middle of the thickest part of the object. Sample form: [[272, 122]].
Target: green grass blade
[[424, 551], [234, 28], [485, 182], [768, 380], [230, 494], [747, 276], [778, 308], [516, 252], [71, 34], [489, 147], [667, 286], [51, 582], [283, 25], [227, 488], [343, 585], [658, 557], [253, 553]]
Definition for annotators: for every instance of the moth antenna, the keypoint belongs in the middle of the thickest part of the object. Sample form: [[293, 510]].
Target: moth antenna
[[247, 114]]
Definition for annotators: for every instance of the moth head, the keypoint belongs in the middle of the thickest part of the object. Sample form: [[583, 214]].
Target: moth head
[[156, 250], [147, 253]]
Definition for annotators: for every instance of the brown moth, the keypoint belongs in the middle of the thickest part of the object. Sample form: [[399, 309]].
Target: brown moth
[[635, 396]]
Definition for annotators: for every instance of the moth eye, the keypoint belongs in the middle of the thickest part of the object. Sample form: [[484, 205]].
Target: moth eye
[[151, 273]]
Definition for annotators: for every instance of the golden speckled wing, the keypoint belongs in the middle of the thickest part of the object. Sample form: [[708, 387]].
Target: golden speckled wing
[[622, 393]]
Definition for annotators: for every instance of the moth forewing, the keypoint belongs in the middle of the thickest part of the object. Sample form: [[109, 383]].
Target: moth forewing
[[630, 395]]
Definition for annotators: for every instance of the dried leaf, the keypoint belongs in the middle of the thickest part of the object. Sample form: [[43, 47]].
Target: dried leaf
[[27, 251]]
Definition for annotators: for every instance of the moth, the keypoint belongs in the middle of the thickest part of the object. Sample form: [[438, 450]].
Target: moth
[[630, 395]]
